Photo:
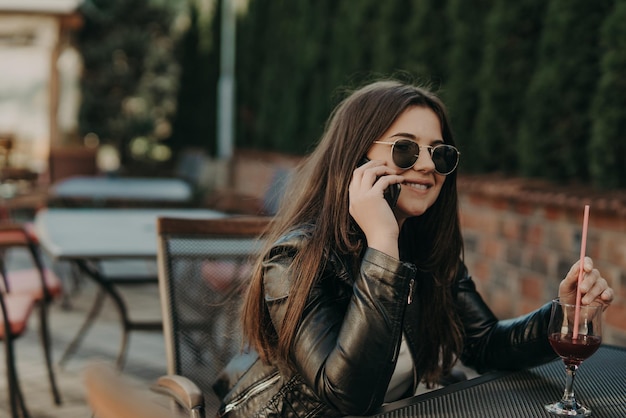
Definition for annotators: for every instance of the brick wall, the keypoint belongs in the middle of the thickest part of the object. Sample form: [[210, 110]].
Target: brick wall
[[253, 171], [251, 174], [521, 237]]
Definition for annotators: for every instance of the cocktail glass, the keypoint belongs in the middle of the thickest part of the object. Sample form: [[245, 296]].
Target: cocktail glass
[[573, 346]]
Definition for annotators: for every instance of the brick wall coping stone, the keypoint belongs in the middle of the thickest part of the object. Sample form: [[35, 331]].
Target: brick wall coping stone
[[542, 192]]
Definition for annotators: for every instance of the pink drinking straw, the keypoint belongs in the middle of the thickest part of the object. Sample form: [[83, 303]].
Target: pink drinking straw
[[583, 247]]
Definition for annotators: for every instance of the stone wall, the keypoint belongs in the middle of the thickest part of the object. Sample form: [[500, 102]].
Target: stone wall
[[522, 236]]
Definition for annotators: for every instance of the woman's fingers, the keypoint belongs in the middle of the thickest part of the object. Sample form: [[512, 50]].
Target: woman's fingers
[[593, 287]]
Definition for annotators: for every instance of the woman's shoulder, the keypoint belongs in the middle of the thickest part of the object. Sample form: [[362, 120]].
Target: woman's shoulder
[[297, 233], [463, 281], [292, 240], [277, 274]]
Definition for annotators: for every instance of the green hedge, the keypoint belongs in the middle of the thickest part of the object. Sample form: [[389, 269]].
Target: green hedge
[[512, 32], [556, 124], [607, 148], [534, 88], [519, 77]]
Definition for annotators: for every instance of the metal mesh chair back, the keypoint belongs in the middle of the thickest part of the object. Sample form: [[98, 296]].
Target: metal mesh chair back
[[202, 267]]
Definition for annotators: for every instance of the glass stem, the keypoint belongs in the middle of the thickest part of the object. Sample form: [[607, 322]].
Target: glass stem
[[568, 400]]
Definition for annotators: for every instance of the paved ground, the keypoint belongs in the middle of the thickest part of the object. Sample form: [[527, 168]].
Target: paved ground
[[145, 361]]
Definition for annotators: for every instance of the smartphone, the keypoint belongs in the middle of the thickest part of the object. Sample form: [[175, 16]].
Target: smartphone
[[391, 193]]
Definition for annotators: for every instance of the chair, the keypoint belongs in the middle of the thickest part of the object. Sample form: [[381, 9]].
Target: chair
[[38, 283], [20, 193], [15, 310], [64, 162], [110, 394], [202, 264]]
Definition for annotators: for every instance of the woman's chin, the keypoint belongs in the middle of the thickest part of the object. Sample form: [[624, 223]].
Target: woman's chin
[[403, 211]]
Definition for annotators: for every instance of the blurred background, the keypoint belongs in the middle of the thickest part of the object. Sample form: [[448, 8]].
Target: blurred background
[[535, 88]]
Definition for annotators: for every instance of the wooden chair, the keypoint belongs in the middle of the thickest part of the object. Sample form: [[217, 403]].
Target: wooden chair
[[15, 310], [202, 265], [110, 394], [38, 283]]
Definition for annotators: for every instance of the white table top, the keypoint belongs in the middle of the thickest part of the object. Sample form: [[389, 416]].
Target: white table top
[[123, 188], [105, 233]]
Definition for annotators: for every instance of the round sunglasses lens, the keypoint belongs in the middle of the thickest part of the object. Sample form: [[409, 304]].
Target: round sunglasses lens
[[405, 153], [445, 158]]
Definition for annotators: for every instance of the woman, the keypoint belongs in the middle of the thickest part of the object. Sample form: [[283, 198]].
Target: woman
[[359, 298]]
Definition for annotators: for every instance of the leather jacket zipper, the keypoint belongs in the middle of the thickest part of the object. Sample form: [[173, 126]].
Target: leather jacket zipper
[[258, 388], [409, 301], [411, 289]]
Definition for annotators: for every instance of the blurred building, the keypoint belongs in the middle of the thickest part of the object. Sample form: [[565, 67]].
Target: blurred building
[[39, 78]]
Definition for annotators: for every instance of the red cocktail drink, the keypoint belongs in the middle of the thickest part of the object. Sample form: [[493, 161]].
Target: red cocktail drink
[[574, 351]]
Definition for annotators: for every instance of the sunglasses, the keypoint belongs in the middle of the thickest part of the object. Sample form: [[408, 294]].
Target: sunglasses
[[405, 153]]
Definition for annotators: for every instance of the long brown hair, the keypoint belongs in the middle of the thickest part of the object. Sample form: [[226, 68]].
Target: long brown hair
[[319, 194]]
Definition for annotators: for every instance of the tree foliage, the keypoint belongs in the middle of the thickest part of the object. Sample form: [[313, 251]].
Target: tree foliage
[[194, 124], [556, 126], [607, 148], [512, 33], [130, 77], [464, 58]]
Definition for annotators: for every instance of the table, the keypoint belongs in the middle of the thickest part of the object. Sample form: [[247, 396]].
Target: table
[[89, 237], [119, 191], [600, 384]]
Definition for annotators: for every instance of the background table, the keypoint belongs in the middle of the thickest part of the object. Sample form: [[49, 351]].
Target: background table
[[120, 191], [100, 241], [600, 384], [69, 234]]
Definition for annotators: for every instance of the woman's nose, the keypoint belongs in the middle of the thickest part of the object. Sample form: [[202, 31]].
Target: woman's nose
[[424, 161]]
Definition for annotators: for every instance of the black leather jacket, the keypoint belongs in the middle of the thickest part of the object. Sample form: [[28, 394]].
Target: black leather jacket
[[345, 350]]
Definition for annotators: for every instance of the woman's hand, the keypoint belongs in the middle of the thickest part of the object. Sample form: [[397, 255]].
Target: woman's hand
[[594, 288], [369, 208]]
